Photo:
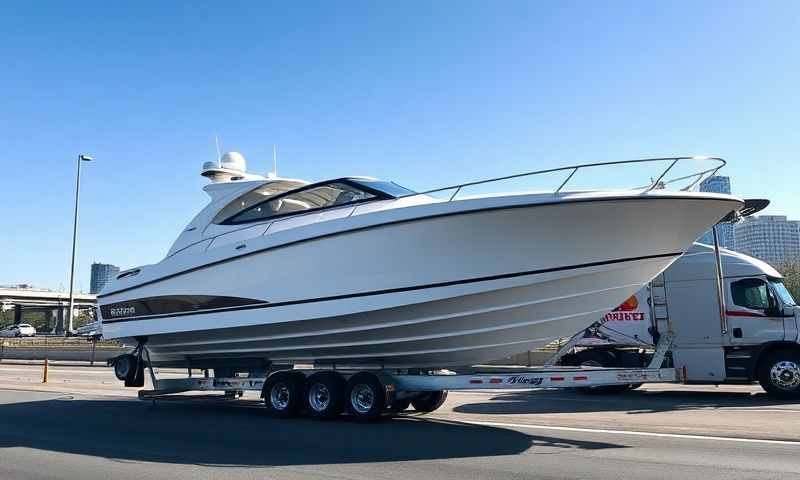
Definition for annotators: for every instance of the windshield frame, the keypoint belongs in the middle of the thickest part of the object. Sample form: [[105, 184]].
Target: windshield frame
[[780, 291], [350, 182]]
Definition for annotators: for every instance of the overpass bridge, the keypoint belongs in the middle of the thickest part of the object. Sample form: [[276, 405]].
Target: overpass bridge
[[23, 298]]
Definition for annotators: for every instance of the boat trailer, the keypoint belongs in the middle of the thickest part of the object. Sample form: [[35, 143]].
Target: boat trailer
[[370, 394]]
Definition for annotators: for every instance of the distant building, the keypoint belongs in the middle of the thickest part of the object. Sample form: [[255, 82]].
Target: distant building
[[101, 274], [718, 184], [772, 238]]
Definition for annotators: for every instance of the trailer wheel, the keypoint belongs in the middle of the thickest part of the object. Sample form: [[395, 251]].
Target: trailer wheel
[[324, 395], [282, 394], [430, 401], [779, 374], [365, 397], [125, 367]]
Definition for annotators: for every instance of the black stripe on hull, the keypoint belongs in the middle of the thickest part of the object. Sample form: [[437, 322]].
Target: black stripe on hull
[[171, 305], [264, 304]]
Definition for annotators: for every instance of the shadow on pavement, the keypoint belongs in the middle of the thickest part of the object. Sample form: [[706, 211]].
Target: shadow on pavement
[[224, 433], [633, 402]]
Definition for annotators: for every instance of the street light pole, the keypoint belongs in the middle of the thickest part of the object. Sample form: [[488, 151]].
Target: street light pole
[[81, 158]]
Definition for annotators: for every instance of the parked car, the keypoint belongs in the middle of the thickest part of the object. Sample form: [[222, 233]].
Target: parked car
[[19, 330]]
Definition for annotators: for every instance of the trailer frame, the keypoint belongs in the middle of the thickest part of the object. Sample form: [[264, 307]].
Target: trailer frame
[[409, 384]]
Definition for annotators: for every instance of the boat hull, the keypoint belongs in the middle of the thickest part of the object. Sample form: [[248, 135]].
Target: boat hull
[[436, 291]]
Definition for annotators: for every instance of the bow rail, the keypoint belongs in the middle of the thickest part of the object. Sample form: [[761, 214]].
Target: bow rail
[[661, 181]]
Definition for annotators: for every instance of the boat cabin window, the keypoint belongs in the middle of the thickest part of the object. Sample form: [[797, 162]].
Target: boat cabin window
[[389, 188], [751, 293], [256, 196], [314, 198]]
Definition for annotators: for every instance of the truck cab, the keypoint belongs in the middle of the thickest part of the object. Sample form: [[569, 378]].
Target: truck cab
[[759, 315], [751, 335]]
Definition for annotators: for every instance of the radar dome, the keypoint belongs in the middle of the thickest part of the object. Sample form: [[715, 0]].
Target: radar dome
[[233, 161]]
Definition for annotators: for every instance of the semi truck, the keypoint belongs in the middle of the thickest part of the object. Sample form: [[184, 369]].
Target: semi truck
[[745, 333]]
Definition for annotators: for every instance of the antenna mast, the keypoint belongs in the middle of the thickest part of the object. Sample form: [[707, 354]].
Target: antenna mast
[[219, 153], [275, 159]]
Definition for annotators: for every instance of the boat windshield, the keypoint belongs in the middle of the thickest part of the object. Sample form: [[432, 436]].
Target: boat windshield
[[782, 292], [256, 196], [313, 198], [389, 188]]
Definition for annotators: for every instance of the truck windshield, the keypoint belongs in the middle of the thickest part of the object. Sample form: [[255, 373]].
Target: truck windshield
[[782, 292]]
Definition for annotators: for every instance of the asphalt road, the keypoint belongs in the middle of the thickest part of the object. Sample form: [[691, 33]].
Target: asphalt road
[[76, 426]]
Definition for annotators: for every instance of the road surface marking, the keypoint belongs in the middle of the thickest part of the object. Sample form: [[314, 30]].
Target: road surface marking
[[631, 432]]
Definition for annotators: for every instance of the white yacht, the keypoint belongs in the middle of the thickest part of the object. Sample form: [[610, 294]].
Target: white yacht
[[363, 272]]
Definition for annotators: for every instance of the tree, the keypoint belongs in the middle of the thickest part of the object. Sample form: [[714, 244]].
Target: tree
[[791, 276]]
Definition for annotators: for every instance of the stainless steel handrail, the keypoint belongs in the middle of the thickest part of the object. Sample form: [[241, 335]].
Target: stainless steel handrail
[[574, 169], [654, 184]]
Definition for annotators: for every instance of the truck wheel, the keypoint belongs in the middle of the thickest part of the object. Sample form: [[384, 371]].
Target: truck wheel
[[779, 374], [430, 401], [324, 394], [365, 397], [282, 394]]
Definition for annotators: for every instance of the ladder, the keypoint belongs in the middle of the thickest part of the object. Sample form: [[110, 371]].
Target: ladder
[[659, 310]]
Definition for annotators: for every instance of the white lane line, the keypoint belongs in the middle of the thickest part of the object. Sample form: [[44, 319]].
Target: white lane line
[[631, 432]]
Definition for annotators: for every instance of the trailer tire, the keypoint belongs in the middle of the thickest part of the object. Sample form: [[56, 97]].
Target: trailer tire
[[779, 374], [365, 397], [429, 401], [283, 394], [125, 367], [324, 395]]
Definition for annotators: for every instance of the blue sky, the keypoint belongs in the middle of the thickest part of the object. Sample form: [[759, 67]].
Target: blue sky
[[425, 93]]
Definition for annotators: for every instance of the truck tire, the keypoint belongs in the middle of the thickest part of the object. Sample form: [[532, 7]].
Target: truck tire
[[283, 394], [779, 374], [599, 358], [430, 401], [324, 395], [364, 397]]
